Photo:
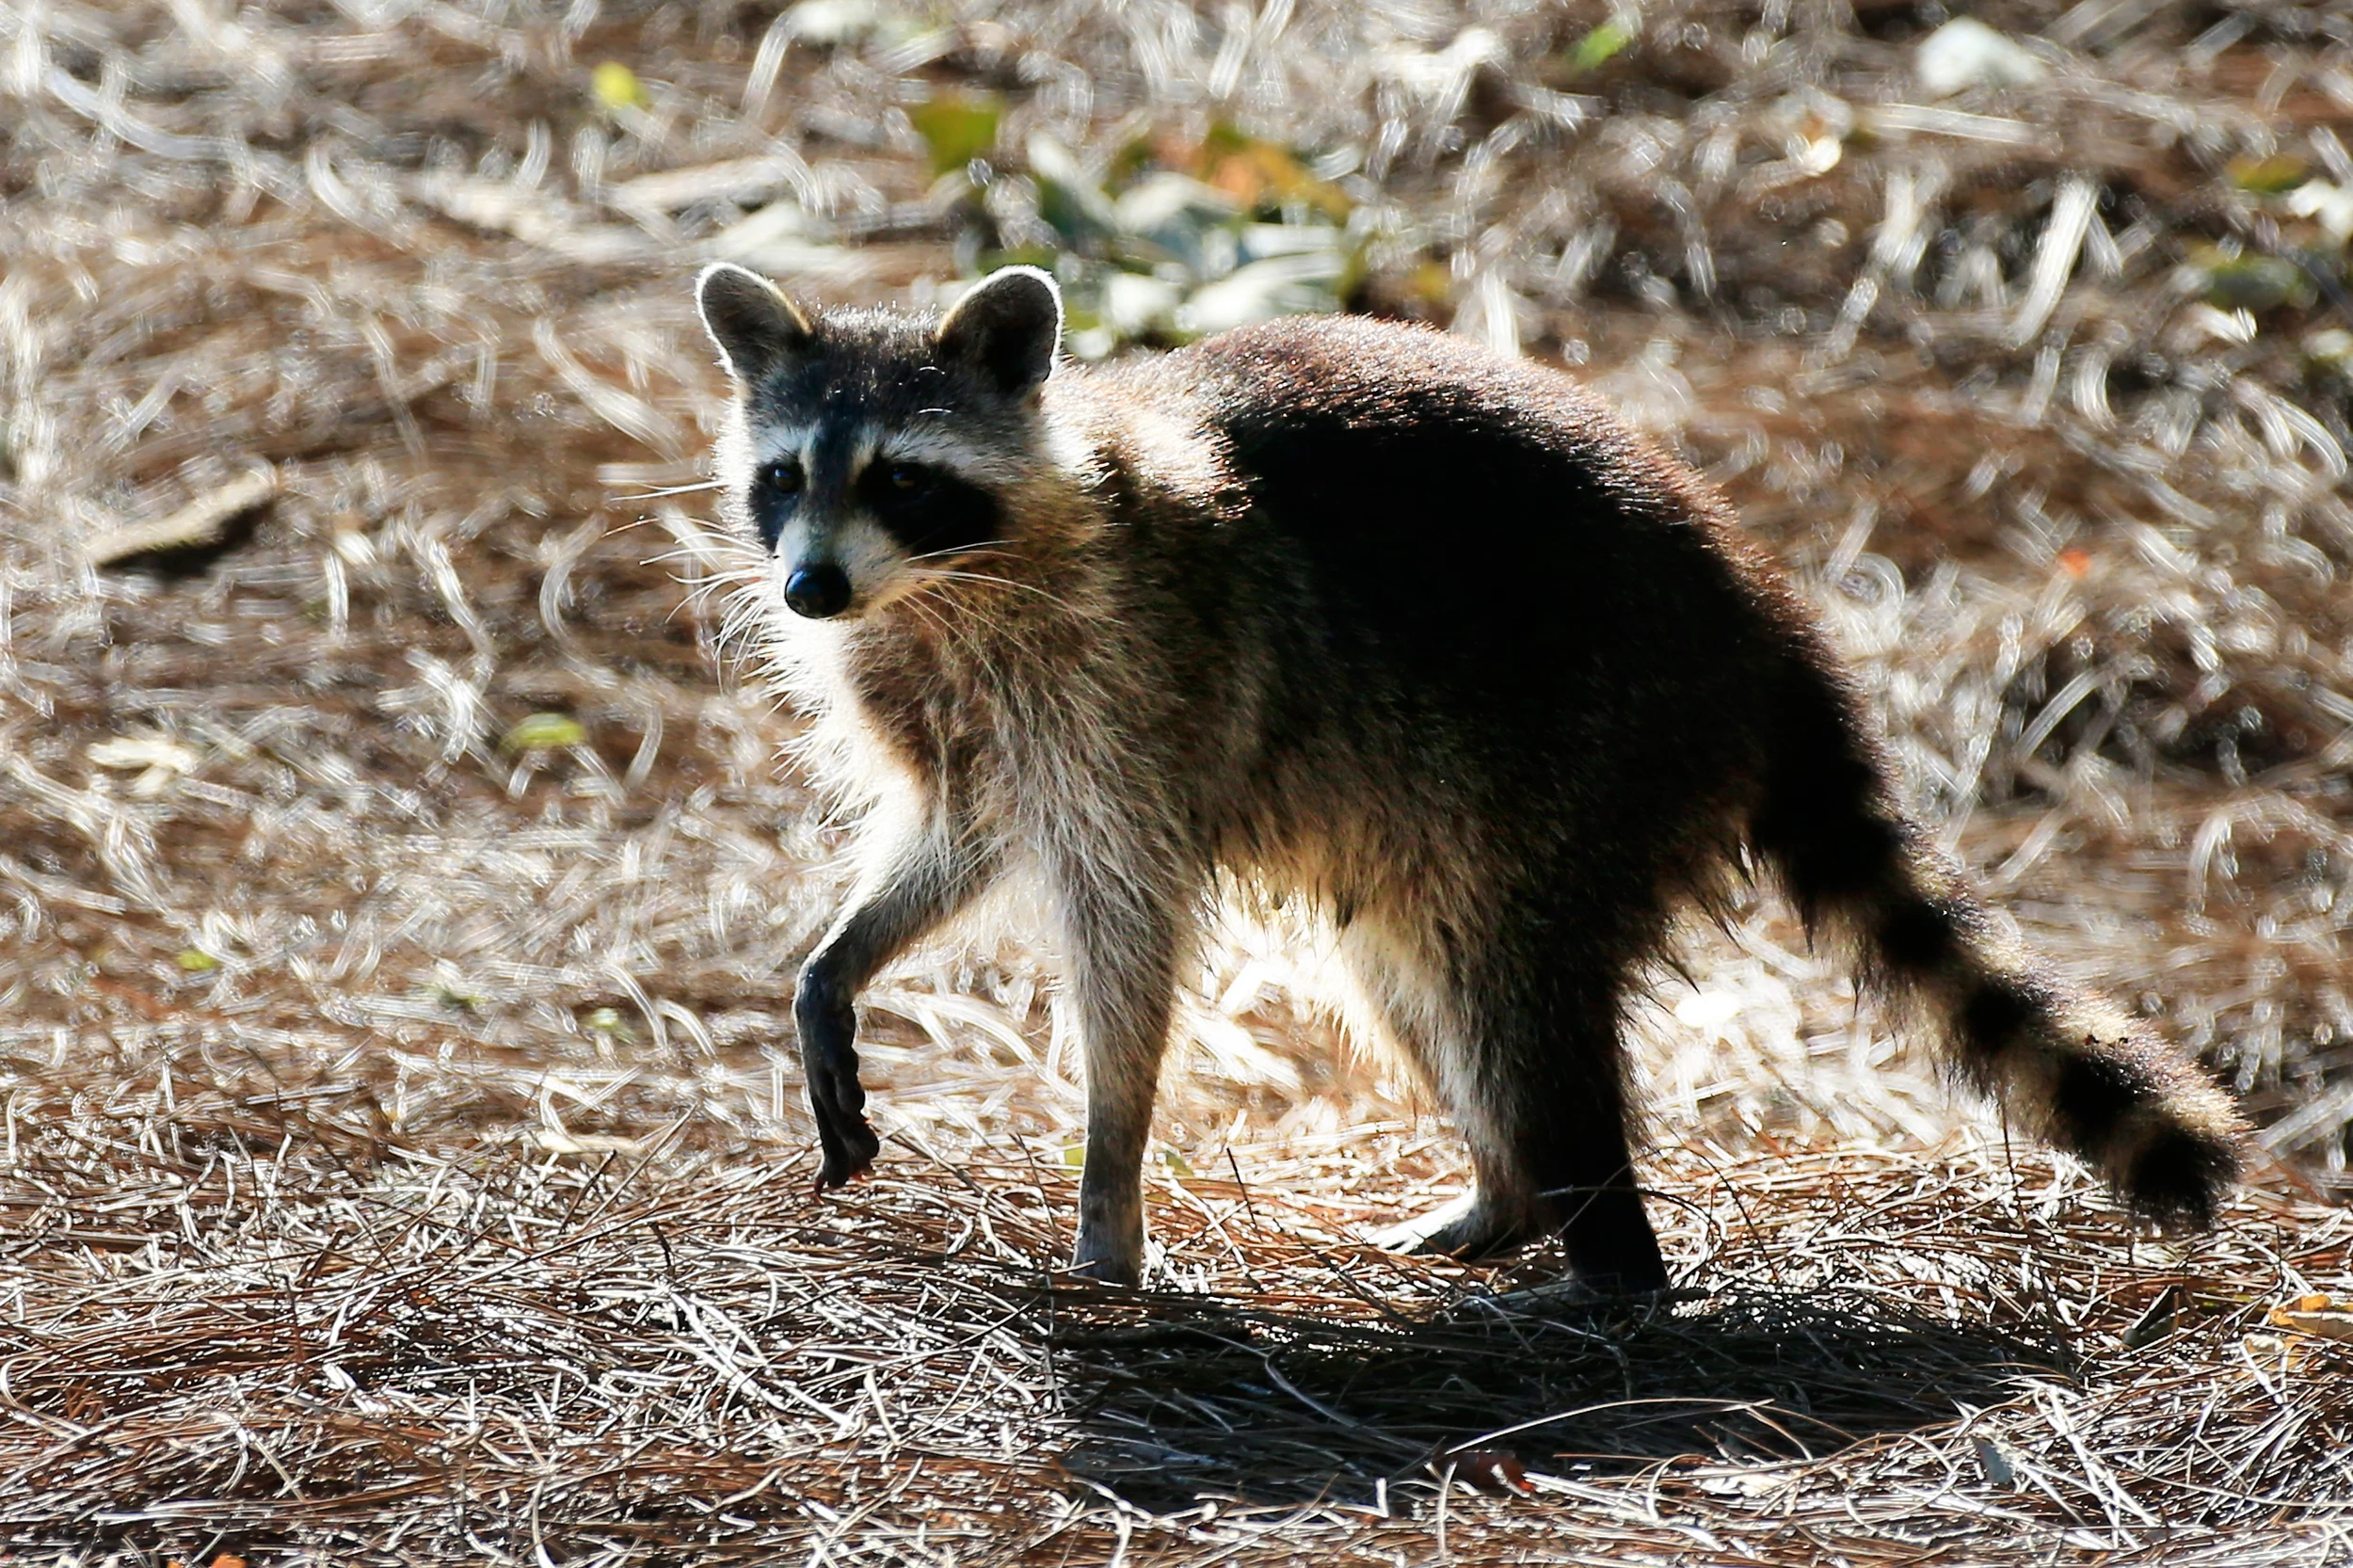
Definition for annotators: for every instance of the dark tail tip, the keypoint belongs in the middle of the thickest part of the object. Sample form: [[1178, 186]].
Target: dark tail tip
[[2167, 1141], [2181, 1176]]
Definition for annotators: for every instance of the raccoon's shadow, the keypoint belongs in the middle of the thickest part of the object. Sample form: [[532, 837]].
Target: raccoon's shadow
[[1228, 1400]]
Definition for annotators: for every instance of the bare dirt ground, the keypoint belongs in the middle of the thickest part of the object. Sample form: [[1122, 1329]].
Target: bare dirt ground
[[404, 1153]]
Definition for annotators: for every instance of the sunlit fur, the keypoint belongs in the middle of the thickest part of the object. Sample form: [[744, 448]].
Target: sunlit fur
[[1366, 616]]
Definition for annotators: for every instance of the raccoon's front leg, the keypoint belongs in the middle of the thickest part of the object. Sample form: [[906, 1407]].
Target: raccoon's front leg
[[925, 878], [1123, 975]]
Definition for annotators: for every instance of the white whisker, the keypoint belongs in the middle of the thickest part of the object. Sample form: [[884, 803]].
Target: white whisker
[[669, 489], [987, 546], [938, 574]]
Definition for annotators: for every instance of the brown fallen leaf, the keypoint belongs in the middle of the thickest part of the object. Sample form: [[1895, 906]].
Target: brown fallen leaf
[[2316, 1314], [1492, 1470]]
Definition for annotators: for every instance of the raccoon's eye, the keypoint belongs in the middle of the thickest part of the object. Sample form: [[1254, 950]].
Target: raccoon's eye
[[782, 476], [926, 509]]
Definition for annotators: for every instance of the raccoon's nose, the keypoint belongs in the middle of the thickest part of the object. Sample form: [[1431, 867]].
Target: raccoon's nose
[[821, 591]]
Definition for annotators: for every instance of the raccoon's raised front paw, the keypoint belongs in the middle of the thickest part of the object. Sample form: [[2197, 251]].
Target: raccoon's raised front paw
[[844, 1137], [828, 1027]]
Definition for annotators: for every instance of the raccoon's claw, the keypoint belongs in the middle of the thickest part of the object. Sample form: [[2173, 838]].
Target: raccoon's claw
[[845, 1157], [844, 1135]]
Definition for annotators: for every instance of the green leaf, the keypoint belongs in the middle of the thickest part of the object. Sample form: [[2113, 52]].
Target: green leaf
[[1596, 48], [2253, 282], [617, 87], [545, 731], [958, 127], [1075, 205], [2269, 176], [1433, 284]]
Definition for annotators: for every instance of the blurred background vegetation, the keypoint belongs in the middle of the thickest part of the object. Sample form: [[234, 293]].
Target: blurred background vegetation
[[2022, 334]]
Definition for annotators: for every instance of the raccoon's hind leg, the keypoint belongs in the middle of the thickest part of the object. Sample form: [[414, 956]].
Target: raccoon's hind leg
[[1526, 1056]]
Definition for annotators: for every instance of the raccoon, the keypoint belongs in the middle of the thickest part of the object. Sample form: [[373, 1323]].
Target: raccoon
[[1366, 616]]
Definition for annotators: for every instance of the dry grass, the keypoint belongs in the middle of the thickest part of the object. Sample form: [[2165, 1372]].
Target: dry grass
[[403, 1154]]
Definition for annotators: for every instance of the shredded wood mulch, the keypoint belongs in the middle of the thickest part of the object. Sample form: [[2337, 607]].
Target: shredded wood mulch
[[235, 1324], [404, 1158]]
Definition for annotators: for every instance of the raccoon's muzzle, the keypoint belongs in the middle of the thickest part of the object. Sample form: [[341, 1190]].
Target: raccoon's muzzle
[[820, 590]]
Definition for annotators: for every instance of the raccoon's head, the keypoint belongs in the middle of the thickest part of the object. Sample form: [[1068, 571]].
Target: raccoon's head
[[870, 446]]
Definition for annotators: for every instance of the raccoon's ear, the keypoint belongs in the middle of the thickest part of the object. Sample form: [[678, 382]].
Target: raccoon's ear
[[1007, 326], [755, 326]]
